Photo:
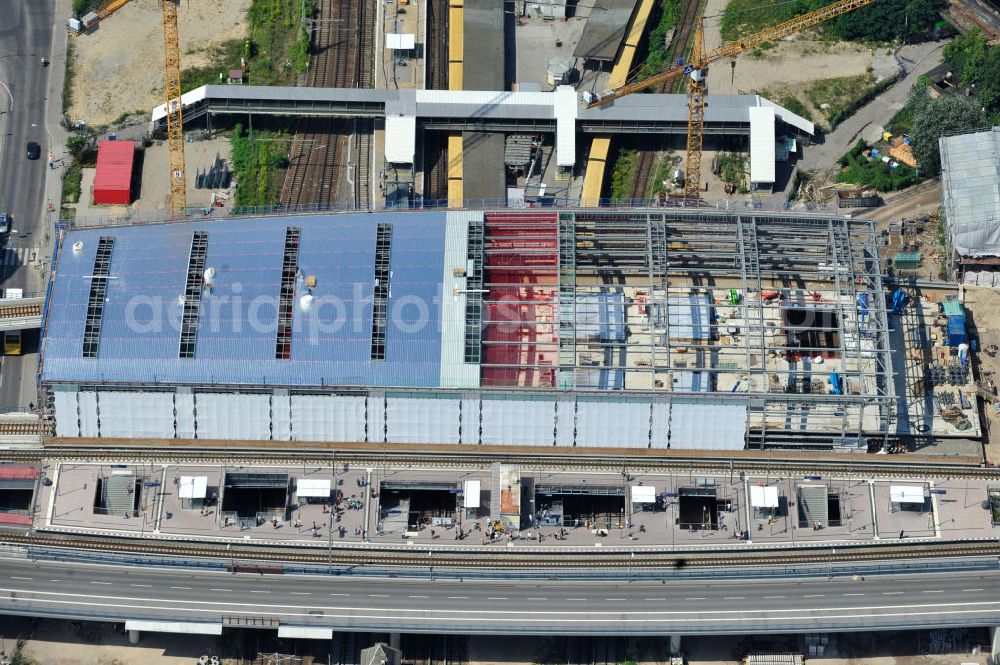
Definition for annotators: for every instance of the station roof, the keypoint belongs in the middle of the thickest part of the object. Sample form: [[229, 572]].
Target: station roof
[[604, 30], [237, 322]]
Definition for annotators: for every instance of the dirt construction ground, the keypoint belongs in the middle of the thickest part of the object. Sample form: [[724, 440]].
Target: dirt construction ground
[[119, 66], [982, 306], [790, 63]]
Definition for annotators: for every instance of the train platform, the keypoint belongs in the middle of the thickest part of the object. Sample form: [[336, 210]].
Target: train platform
[[401, 63], [600, 147], [506, 506]]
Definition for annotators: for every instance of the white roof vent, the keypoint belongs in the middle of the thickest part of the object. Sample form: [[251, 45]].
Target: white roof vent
[[77, 247], [305, 302], [209, 275]]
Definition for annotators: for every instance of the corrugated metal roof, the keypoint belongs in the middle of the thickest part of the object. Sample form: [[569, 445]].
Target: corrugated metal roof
[[604, 30], [762, 151], [331, 343], [114, 170], [970, 186]]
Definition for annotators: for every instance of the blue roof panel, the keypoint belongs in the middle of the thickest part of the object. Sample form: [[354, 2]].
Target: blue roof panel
[[331, 339]]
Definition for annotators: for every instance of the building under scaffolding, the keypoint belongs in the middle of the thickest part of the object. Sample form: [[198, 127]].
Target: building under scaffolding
[[645, 329]]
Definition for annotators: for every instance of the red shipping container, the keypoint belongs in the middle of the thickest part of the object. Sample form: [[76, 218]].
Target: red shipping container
[[113, 180]]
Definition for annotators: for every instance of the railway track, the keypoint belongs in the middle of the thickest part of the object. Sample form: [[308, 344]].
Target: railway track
[[243, 556], [437, 45], [436, 166], [362, 148], [528, 459], [648, 151], [343, 46]]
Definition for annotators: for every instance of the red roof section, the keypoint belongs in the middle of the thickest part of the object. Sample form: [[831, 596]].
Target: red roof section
[[113, 180], [18, 472]]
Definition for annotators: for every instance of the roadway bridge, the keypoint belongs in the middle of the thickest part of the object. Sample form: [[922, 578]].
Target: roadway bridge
[[21, 313], [467, 110], [182, 599]]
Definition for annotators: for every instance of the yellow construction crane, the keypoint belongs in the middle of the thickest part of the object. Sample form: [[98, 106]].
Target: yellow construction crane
[[175, 123], [695, 69]]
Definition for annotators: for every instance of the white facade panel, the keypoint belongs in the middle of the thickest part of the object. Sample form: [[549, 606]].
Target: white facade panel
[[708, 426], [305, 632], [518, 422], [764, 497], [89, 425], [612, 424], [233, 416], [906, 493], [660, 437], [470, 421], [281, 417], [376, 418], [183, 627], [193, 487], [471, 494], [643, 494], [328, 418], [762, 150], [137, 415], [400, 138], [566, 421], [313, 487], [67, 416], [422, 420], [565, 107], [184, 415]]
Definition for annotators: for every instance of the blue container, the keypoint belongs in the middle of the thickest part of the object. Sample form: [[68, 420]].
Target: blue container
[[956, 330]]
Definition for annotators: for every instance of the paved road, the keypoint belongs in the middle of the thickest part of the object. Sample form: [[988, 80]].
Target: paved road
[[26, 36], [868, 121], [471, 606]]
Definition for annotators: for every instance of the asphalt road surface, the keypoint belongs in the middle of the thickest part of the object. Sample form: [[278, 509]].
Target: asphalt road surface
[[26, 33], [474, 606]]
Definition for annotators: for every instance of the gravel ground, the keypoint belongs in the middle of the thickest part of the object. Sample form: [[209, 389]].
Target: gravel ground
[[119, 66]]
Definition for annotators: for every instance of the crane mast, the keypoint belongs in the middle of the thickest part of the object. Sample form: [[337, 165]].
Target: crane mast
[[699, 61], [175, 124]]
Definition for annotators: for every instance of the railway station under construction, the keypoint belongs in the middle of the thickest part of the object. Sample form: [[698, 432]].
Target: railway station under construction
[[659, 328]]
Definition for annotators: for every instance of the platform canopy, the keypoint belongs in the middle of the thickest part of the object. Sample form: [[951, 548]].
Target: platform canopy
[[314, 487], [471, 492], [906, 493], [764, 497], [643, 494], [193, 487]]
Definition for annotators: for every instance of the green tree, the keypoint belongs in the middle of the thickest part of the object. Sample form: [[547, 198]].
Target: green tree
[[933, 118], [76, 145]]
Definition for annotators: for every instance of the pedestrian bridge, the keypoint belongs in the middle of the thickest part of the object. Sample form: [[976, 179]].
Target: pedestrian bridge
[[558, 111]]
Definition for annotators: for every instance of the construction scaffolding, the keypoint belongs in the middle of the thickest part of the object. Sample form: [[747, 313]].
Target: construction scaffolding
[[786, 311]]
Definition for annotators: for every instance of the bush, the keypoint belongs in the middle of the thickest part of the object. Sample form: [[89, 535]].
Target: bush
[[67, 99], [658, 50], [256, 167], [623, 174], [874, 174]]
